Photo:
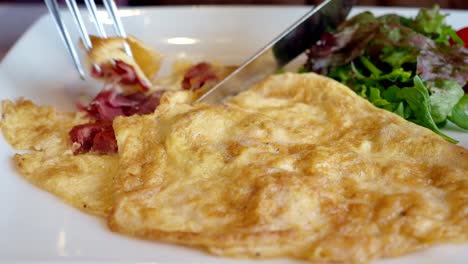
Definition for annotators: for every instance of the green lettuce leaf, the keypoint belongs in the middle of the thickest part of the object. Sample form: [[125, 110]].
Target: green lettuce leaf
[[459, 114], [417, 98], [431, 23], [380, 57], [444, 95]]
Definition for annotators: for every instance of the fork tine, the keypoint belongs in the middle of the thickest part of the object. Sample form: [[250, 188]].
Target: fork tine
[[112, 10], [54, 10], [97, 22], [119, 29], [73, 7]]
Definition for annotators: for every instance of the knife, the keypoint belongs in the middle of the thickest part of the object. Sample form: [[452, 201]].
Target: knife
[[281, 50]]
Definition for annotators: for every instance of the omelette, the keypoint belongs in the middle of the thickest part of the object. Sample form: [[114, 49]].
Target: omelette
[[297, 166], [84, 181]]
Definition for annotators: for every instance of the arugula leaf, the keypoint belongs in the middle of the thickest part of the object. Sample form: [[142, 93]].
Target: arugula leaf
[[444, 95], [370, 66], [400, 110], [454, 36], [459, 114], [356, 73], [391, 93], [417, 98], [341, 73], [376, 98], [398, 74]]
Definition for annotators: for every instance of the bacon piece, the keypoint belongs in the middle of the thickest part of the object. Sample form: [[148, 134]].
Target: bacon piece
[[104, 142], [98, 136], [121, 72], [110, 103], [146, 103], [126, 72], [85, 134], [198, 75]]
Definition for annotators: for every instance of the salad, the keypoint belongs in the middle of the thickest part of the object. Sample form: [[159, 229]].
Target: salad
[[414, 67]]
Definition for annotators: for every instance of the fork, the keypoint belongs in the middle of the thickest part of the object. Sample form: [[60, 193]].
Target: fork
[[112, 11]]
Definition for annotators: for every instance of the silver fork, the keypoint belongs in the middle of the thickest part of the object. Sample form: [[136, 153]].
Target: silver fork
[[112, 11]]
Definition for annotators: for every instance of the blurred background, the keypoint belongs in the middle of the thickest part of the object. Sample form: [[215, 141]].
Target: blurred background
[[456, 4], [17, 15]]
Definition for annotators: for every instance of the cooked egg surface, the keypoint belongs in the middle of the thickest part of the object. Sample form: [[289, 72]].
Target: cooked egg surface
[[297, 166], [84, 181]]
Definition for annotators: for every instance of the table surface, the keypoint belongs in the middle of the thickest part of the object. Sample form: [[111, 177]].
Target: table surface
[[15, 20]]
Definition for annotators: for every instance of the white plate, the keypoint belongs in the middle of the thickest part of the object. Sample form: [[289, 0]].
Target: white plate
[[37, 227]]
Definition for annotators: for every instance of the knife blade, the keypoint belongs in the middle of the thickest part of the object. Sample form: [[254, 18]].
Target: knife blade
[[281, 50]]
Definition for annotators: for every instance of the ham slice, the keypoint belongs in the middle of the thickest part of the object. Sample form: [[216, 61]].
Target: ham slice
[[120, 72], [198, 75], [98, 135]]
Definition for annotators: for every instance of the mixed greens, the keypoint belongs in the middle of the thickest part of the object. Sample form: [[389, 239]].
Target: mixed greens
[[414, 67]]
